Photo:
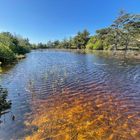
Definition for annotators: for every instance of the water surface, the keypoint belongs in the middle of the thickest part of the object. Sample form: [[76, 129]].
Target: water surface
[[66, 95]]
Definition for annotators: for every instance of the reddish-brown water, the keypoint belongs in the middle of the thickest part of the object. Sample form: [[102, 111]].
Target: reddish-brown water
[[60, 95]]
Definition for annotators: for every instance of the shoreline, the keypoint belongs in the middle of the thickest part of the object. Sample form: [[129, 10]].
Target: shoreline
[[129, 54], [18, 58]]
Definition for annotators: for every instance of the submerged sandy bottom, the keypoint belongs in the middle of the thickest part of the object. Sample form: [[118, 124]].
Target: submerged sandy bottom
[[72, 115]]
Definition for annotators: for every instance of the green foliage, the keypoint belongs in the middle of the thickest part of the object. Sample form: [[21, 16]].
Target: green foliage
[[6, 54], [125, 30], [11, 45], [23, 46], [91, 42], [4, 104], [123, 34], [66, 44], [95, 44], [42, 46], [81, 39], [98, 45]]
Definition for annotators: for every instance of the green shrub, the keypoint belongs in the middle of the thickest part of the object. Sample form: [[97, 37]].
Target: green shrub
[[4, 104], [91, 43], [98, 45], [11, 46], [6, 54], [89, 46]]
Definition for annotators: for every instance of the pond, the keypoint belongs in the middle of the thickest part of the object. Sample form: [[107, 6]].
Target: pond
[[68, 95]]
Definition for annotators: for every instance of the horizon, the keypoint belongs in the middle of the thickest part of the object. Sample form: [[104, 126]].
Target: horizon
[[45, 20]]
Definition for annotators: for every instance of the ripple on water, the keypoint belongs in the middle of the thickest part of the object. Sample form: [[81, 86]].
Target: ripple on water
[[79, 115], [65, 95]]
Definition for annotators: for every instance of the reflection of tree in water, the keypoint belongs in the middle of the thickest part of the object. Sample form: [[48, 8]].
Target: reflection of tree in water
[[79, 116]]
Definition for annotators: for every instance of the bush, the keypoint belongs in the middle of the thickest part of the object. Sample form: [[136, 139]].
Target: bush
[[98, 45], [11, 46], [91, 43], [6, 54], [95, 44], [4, 104], [89, 46]]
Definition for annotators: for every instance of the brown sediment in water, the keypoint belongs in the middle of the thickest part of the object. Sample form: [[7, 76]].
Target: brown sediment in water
[[72, 115]]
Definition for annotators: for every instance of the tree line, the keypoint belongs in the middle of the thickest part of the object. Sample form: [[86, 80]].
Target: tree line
[[123, 34]]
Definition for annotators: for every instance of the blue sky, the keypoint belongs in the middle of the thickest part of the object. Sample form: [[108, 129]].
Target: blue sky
[[43, 20]]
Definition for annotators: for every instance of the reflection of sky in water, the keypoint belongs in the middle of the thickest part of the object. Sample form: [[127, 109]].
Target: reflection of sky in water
[[44, 73]]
